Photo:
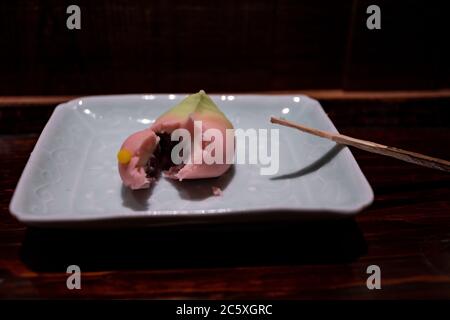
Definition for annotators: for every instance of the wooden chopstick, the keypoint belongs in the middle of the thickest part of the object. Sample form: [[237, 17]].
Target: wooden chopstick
[[408, 156]]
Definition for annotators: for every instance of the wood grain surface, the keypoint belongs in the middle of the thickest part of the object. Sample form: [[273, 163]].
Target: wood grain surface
[[406, 231], [127, 46]]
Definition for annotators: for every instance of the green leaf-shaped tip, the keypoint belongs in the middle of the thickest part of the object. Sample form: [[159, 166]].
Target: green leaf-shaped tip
[[199, 103]]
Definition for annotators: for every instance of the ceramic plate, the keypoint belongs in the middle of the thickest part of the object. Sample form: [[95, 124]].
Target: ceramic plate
[[71, 177]]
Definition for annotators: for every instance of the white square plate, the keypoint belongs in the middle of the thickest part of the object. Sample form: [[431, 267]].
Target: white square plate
[[71, 178]]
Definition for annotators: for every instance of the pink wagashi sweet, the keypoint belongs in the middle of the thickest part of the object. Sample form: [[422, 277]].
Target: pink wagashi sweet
[[146, 153]]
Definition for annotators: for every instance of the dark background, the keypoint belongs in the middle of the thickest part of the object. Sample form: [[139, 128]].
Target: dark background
[[234, 45]]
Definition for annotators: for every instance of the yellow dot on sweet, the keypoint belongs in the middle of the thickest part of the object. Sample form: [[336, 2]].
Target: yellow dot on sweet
[[124, 156]]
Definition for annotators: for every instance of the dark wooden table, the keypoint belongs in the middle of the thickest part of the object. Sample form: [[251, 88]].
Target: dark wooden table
[[406, 231]]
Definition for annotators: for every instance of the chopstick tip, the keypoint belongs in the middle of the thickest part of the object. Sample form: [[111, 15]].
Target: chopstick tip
[[274, 119]]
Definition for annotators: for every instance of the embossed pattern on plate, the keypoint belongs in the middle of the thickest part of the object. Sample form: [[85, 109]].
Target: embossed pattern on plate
[[71, 176]]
